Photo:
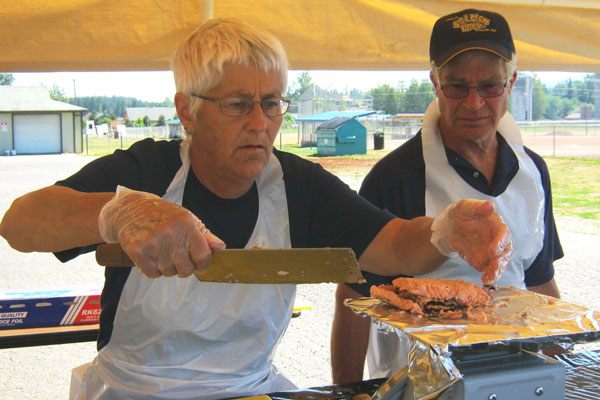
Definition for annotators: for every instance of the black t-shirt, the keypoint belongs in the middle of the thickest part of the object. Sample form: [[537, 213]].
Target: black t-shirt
[[323, 211], [397, 183]]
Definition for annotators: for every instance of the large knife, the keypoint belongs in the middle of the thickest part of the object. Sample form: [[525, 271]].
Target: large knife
[[262, 265]]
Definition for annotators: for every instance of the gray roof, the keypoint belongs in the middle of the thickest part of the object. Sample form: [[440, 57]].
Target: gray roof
[[334, 123], [133, 113], [31, 98]]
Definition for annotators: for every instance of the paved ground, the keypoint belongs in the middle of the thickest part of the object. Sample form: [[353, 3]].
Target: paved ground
[[44, 372]]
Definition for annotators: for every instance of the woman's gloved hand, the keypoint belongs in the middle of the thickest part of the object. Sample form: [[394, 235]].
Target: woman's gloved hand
[[161, 238], [475, 232]]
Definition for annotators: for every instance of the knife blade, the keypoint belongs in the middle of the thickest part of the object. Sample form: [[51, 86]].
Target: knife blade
[[276, 266]]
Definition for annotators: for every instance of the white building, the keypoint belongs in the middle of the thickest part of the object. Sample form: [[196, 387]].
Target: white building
[[521, 98], [32, 123]]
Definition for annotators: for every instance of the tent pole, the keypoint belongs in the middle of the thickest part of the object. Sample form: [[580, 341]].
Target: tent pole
[[207, 9]]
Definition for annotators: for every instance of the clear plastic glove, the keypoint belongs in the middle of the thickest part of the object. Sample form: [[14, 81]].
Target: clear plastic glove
[[475, 232], [161, 238]]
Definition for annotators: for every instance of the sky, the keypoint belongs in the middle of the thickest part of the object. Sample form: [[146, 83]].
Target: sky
[[157, 85]]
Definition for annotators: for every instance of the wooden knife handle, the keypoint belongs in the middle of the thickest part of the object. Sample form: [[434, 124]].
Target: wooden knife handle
[[112, 255]]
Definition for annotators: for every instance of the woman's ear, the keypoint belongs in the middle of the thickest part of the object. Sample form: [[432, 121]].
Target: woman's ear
[[184, 111]]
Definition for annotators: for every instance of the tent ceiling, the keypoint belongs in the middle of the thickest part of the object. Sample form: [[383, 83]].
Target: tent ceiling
[[111, 35]]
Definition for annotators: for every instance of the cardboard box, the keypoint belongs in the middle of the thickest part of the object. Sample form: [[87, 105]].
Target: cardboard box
[[54, 307]]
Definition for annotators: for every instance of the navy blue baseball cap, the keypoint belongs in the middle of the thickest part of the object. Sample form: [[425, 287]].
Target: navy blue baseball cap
[[470, 29]]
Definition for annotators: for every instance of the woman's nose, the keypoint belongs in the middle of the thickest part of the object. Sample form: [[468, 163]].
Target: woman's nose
[[257, 117]]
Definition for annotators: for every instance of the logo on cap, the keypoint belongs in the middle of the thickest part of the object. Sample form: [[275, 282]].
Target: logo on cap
[[472, 22]]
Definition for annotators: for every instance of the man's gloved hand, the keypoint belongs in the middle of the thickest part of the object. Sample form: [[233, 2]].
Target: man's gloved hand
[[161, 238], [474, 231]]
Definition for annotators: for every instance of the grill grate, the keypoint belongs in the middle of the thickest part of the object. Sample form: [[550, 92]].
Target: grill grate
[[582, 375]]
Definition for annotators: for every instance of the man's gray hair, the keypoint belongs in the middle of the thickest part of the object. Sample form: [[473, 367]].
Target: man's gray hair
[[198, 62], [511, 66]]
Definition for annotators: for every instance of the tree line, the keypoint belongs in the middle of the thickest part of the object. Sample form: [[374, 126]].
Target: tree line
[[552, 103], [107, 107], [548, 102], [114, 106], [563, 98]]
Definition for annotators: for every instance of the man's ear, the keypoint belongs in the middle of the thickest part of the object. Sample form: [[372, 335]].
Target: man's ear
[[433, 82], [183, 107], [512, 81]]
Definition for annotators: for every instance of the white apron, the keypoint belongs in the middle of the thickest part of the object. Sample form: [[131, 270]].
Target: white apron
[[521, 206], [178, 338]]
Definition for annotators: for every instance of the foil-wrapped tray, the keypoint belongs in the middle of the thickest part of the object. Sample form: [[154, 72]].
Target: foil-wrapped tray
[[514, 314]]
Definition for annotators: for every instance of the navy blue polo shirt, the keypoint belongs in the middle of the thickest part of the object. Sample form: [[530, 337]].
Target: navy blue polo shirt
[[397, 183], [323, 211]]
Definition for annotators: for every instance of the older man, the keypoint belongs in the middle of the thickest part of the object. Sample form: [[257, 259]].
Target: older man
[[180, 338], [468, 147]]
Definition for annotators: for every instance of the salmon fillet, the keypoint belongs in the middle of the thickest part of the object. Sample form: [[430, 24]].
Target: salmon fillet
[[388, 294], [459, 291], [451, 299]]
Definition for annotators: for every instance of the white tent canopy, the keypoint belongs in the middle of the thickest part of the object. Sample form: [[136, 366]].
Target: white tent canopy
[[112, 35]]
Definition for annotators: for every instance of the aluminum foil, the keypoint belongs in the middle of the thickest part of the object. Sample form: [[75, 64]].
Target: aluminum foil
[[514, 314], [427, 374]]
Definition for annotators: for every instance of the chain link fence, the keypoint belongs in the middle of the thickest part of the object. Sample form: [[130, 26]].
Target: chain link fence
[[122, 138], [547, 138]]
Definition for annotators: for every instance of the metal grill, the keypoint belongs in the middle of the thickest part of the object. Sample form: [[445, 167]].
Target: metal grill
[[582, 375]]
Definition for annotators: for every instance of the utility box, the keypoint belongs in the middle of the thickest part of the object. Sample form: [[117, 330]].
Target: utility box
[[341, 136], [90, 129]]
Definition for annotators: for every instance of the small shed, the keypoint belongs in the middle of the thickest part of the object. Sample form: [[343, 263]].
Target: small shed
[[307, 124], [341, 136]]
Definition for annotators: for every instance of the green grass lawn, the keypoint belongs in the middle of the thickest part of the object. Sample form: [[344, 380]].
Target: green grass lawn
[[575, 187]]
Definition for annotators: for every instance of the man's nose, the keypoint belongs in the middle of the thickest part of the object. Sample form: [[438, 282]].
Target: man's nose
[[473, 101]]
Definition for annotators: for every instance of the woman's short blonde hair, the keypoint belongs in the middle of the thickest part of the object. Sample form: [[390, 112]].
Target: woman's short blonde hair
[[198, 62]]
